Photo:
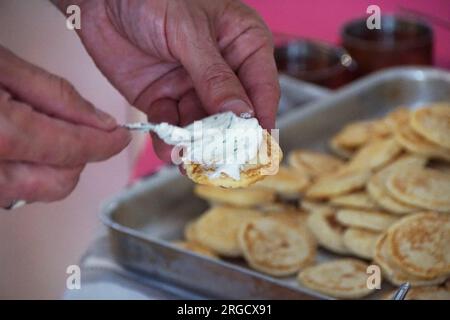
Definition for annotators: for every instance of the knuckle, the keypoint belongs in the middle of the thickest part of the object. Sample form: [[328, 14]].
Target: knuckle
[[66, 90], [218, 76]]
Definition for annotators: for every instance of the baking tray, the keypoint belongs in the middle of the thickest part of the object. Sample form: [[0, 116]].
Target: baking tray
[[295, 93], [144, 219]]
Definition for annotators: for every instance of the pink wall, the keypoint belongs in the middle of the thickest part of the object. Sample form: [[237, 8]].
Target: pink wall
[[322, 19]]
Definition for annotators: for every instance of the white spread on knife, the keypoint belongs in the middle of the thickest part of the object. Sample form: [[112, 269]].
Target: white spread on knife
[[223, 142]]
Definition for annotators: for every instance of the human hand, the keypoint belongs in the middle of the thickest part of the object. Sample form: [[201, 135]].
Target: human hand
[[48, 133], [180, 60]]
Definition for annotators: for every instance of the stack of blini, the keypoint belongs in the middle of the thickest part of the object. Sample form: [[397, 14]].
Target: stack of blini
[[383, 198]]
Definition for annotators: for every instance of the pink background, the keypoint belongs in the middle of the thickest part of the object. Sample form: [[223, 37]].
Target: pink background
[[322, 19]]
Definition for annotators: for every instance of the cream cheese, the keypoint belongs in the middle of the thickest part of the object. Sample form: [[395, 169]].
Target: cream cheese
[[223, 142]]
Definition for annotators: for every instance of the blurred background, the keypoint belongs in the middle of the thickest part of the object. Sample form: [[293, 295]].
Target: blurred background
[[38, 242]]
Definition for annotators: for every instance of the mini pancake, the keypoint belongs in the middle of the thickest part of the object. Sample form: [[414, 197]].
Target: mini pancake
[[340, 151], [276, 207], [341, 182], [420, 245], [312, 163], [425, 188], [288, 183], [415, 143], [327, 230], [291, 217], [361, 242], [380, 129], [397, 118], [376, 187], [356, 200], [274, 247], [371, 220], [189, 230], [308, 205], [342, 278], [375, 154], [392, 272], [195, 247], [359, 133], [246, 197], [266, 163], [217, 229], [433, 123]]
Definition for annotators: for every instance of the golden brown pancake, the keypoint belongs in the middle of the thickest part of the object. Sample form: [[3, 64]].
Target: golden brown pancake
[[288, 183], [433, 123], [424, 188], [341, 182], [356, 200], [375, 154], [376, 187], [267, 162], [393, 273], [313, 164], [327, 230], [420, 244], [217, 229], [361, 242], [342, 278], [275, 247], [241, 197], [372, 220]]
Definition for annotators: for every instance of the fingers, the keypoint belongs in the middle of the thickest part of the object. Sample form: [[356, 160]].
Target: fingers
[[26, 135], [190, 109], [259, 76], [251, 54], [172, 85], [163, 110], [217, 86], [48, 93], [30, 182], [181, 113]]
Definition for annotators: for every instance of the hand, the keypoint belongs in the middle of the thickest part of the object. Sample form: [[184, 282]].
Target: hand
[[48, 133], [180, 60]]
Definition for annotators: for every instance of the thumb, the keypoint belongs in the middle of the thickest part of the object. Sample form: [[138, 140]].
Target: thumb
[[217, 86]]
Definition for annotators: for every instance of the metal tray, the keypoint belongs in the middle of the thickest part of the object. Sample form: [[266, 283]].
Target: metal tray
[[144, 219]]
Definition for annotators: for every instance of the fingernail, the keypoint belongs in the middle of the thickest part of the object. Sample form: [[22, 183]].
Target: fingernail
[[239, 107], [106, 118]]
